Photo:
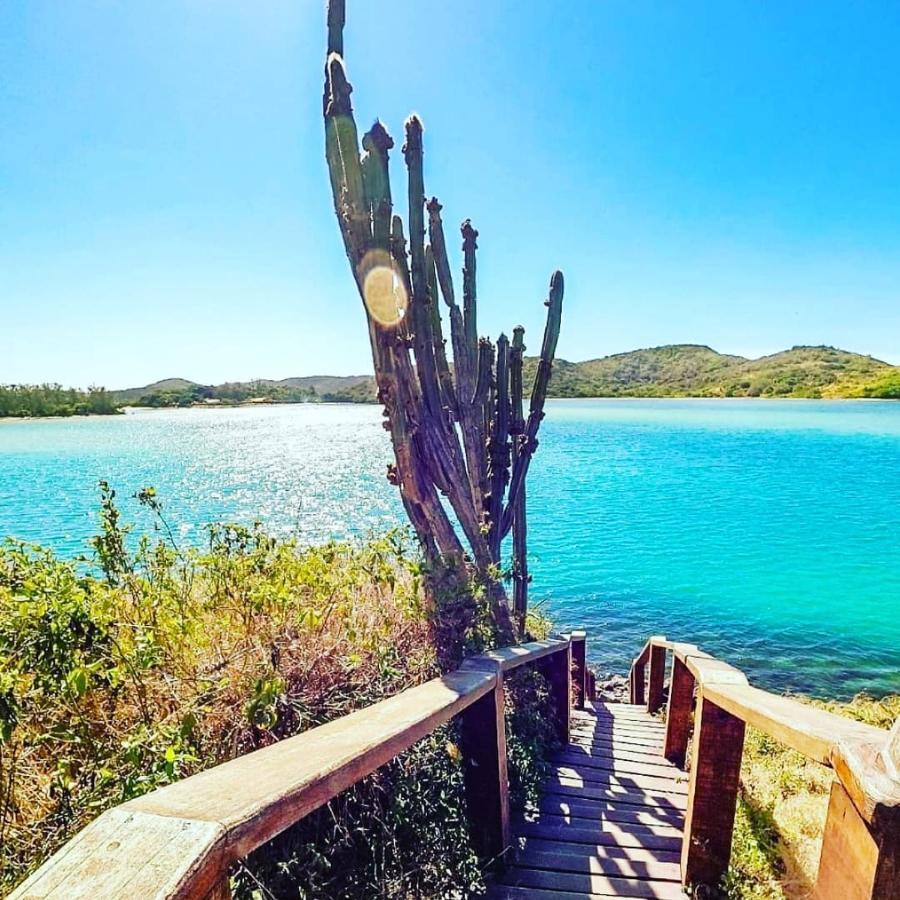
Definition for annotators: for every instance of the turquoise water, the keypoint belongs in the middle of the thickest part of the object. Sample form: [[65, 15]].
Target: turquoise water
[[767, 532]]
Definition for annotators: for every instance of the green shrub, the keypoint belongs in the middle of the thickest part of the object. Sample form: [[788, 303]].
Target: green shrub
[[148, 662]]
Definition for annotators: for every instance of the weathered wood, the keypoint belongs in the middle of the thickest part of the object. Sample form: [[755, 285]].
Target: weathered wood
[[128, 853], [487, 784], [712, 796], [508, 658], [630, 862], [579, 668], [627, 781], [220, 891], [679, 712], [177, 841], [655, 691], [604, 885], [636, 681], [557, 669], [813, 732], [849, 858]]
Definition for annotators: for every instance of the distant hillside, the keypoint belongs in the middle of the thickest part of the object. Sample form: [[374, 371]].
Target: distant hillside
[[676, 370], [310, 388], [690, 370]]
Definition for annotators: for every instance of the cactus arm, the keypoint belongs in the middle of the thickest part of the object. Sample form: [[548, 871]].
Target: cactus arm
[[423, 338], [336, 16], [445, 379], [498, 447], [538, 396], [470, 318], [519, 521]]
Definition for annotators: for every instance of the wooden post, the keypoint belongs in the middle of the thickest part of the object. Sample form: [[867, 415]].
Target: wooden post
[[678, 714], [657, 677], [591, 685], [487, 785], [712, 794], [637, 682], [856, 864], [221, 891], [557, 669], [579, 669]]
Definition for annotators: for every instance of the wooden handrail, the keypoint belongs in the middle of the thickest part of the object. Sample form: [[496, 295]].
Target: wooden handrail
[[178, 841], [861, 847]]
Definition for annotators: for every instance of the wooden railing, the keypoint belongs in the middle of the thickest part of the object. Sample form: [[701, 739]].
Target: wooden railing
[[709, 705], [179, 841]]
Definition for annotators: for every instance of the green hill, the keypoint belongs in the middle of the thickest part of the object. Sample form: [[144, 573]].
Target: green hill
[[675, 370], [691, 370]]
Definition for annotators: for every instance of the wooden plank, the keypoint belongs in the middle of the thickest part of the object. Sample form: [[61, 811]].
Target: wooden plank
[[636, 681], [132, 854], [715, 772], [632, 752], [505, 892], [185, 834], [679, 712], [849, 857], [577, 787], [636, 745], [655, 685], [557, 669], [585, 807], [508, 658], [622, 779], [483, 742], [600, 884], [579, 668], [813, 732], [258, 795], [587, 857], [617, 764], [621, 837], [600, 825], [589, 864]]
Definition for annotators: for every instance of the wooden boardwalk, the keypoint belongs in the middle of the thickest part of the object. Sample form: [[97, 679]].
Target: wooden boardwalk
[[610, 818]]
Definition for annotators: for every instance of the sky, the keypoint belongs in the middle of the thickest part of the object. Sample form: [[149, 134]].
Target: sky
[[722, 173]]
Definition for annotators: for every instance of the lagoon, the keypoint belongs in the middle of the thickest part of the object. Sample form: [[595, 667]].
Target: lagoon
[[768, 532]]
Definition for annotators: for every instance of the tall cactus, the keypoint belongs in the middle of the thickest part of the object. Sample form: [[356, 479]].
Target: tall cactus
[[458, 430]]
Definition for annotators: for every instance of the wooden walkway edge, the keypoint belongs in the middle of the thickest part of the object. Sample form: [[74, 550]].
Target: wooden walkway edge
[[610, 818]]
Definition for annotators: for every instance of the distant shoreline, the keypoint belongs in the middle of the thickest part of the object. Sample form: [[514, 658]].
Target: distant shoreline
[[130, 410]]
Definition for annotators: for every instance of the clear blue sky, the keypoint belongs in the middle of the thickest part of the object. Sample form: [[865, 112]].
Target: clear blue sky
[[721, 172]]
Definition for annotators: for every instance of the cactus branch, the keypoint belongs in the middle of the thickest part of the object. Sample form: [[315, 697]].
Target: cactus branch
[[424, 396]]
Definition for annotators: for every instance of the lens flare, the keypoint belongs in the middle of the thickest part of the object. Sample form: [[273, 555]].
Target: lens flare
[[383, 290]]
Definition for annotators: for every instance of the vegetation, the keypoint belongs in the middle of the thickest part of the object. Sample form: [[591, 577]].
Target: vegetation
[[149, 661], [180, 392], [781, 810], [27, 400], [688, 370]]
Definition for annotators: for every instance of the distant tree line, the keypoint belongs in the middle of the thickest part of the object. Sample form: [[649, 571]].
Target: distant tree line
[[34, 400], [234, 392]]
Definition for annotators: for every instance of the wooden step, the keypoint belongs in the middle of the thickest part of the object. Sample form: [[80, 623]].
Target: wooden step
[[591, 884]]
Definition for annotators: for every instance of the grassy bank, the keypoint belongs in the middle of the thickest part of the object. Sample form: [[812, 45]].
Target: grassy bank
[[166, 660], [781, 810]]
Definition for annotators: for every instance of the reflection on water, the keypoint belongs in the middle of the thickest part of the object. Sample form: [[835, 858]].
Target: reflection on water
[[768, 532]]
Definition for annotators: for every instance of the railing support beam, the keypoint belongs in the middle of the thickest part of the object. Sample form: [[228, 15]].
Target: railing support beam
[[636, 682], [856, 864], [656, 688], [712, 794], [557, 669], [483, 729], [678, 713], [579, 668]]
